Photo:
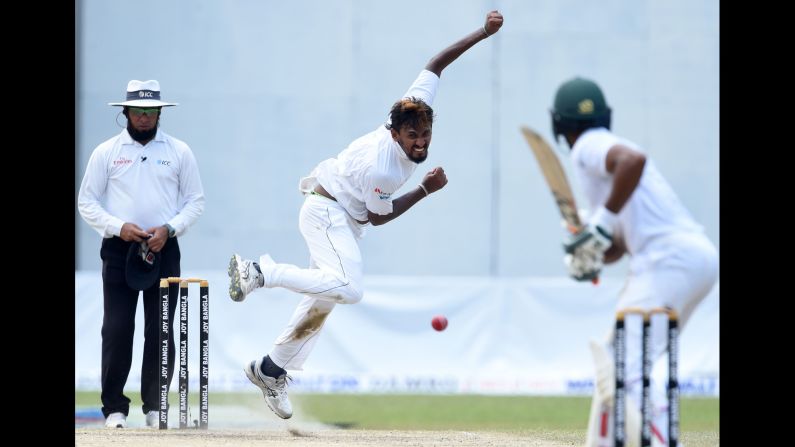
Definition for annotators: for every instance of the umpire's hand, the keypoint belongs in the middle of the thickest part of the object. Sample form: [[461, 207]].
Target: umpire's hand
[[158, 239], [131, 232]]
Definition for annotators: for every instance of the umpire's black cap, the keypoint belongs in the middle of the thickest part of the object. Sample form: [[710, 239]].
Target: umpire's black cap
[[143, 266]]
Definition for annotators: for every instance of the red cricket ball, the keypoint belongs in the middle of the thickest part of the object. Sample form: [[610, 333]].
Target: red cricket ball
[[439, 322]]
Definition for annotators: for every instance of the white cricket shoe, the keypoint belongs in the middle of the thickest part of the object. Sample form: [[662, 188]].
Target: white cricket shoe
[[274, 389], [116, 420], [245, 276], [153, 419]]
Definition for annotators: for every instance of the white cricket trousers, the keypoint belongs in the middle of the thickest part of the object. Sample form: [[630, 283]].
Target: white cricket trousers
[[334, 276], [675, 271]]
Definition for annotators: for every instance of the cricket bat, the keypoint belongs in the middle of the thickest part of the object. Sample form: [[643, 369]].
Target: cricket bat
[[555, 177]]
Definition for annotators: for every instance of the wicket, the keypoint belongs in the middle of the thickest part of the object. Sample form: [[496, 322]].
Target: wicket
[[204, 350], [673, 384]]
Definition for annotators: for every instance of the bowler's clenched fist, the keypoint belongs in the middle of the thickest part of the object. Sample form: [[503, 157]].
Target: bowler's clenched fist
[[434, 180]]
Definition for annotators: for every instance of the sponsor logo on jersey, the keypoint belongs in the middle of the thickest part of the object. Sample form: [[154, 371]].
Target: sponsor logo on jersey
[[382, 195]]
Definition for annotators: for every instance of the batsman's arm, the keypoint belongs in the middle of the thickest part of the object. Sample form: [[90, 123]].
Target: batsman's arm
[[626, 165], [615, 252], [451, 53]]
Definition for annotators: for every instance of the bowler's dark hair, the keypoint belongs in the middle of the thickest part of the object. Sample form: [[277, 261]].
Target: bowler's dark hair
[[412, 112]]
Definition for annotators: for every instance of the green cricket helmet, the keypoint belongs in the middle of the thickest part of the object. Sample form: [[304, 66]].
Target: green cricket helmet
[[579, 105]]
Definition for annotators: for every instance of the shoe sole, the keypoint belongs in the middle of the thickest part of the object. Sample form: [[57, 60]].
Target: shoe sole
[[235, 292], [253, 378]]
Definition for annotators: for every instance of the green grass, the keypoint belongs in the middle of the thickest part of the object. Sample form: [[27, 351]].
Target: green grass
[[437, 412], [443, 412], [474, 412]]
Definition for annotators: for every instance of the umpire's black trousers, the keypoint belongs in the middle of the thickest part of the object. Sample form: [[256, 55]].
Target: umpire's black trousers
[[118, 325]]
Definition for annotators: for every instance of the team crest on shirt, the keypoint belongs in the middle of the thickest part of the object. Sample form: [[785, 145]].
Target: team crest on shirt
[[381, 194]]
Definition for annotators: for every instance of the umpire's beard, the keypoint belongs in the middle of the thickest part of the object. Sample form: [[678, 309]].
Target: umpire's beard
[[142, 136]]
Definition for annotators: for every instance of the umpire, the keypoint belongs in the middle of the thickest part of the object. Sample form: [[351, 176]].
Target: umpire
[[141, 190]]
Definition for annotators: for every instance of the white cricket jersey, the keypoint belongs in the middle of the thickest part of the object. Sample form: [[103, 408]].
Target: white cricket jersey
[[653, 209], [366, 174], [146, 185]]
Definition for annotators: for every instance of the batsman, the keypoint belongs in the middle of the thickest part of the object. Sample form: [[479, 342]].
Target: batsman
[[634, 211]]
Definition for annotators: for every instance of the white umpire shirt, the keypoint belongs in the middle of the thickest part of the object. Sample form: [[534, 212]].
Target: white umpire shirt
[[653, 210], [146, 185], [366, 174]]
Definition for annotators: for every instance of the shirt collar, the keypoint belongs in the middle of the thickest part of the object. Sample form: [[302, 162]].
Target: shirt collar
[[582, 136]]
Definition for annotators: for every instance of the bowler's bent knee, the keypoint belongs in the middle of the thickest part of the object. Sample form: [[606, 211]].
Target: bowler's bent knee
[[350, 294]]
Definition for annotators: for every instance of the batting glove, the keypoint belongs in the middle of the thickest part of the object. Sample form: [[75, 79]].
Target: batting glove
[[596, 236], [585, 250], [583, 266]]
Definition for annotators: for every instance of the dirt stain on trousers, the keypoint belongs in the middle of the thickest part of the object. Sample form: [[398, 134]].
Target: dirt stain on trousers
[[311, 324]]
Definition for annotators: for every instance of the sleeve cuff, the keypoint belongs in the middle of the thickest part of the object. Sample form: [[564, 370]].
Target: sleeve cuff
[[176, 225], [605, 218], [114, 227]]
